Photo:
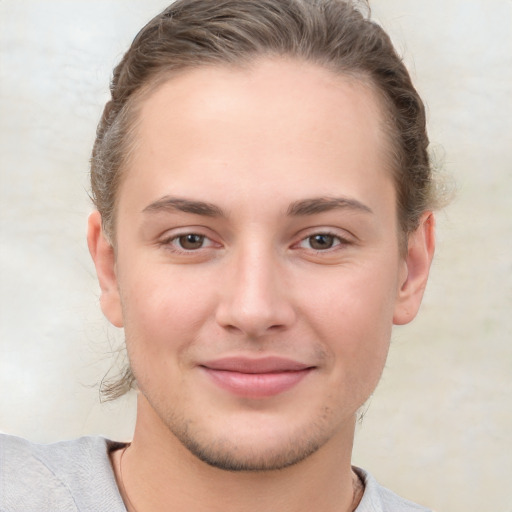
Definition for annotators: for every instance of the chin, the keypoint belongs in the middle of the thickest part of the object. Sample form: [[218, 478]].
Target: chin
[[253, 446], [231, 456]]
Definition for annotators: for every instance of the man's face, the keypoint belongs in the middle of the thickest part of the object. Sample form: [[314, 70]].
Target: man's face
[[258, 265]]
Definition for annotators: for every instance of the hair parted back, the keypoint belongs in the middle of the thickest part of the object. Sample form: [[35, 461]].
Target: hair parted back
[[335, 34]]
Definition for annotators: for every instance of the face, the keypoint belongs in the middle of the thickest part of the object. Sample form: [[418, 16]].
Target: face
[[257, 270]]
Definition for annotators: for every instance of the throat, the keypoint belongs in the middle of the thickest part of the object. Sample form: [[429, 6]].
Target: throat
[[267, 495]]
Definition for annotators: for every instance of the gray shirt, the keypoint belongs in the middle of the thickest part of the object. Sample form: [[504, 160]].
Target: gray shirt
[[77, 476]]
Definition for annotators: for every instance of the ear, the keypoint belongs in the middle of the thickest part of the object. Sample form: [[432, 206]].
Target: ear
[[420, 251], [104, 259]]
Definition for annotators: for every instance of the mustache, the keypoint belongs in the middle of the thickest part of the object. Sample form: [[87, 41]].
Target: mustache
[[302, 353]]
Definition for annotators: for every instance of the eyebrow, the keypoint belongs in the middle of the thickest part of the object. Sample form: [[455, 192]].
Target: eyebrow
[[310, 206], [169, 203], [317, 205]]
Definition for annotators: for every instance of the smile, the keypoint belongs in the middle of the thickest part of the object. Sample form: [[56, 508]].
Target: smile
[[256, 378]]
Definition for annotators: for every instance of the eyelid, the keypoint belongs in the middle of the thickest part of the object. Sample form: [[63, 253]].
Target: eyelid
[[343, 237], [169, 237]]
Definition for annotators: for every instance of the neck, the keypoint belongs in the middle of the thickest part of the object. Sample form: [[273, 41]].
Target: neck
[[157, 470]]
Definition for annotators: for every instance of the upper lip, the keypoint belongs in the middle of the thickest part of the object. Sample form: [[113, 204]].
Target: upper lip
[[269, 364]]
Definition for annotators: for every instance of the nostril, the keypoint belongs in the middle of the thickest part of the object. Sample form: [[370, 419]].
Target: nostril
[[253, 303], [232, 328], [277, 327]]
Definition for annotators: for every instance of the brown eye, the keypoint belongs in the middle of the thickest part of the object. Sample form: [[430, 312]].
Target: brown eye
[[321, 241], [191, 241]]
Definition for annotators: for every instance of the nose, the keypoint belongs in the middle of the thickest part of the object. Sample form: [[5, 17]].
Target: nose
[[255, 299]]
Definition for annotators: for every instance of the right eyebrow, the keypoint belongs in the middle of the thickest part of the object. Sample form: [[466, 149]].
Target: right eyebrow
[[170, 203]]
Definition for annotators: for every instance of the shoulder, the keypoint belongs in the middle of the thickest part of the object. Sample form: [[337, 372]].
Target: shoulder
[[69, 476], [379, 499]]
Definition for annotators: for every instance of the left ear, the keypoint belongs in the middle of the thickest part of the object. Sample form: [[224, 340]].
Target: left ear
[[420, 251]]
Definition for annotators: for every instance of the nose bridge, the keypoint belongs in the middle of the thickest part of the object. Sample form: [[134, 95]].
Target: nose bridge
[[254, 299]]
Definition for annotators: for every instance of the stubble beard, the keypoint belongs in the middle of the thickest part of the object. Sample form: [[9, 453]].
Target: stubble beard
[[230, 454], [227, 456]]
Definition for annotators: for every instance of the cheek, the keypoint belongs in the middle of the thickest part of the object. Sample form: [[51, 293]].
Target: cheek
[[163, 312], [353, 315]]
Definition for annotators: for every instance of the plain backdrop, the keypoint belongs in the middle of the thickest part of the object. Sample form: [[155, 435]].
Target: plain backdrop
[[438, 429]]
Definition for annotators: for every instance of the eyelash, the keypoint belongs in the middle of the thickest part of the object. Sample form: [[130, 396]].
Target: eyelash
[[338, 241], [174, 243]]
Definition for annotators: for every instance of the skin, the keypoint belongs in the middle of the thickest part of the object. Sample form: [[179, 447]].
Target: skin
[[283, 170]]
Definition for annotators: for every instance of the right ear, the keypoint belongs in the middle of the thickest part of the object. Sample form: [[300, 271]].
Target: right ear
[[104, 259]]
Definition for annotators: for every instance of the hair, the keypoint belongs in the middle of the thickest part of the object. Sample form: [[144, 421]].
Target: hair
[[335, 34]]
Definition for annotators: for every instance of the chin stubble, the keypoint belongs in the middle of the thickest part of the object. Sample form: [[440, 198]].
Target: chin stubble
[[227, 455]]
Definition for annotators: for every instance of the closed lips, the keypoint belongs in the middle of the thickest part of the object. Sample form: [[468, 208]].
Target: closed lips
[[256, 378], [261, 365]]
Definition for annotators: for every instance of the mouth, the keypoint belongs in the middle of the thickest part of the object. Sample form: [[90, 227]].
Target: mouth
[[256, 378]]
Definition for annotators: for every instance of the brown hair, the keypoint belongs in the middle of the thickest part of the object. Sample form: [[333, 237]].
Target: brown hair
[[336, 34]]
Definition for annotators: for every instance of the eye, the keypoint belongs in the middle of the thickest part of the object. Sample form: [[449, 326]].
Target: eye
[[321, 242], [187, 243], [190, 241]]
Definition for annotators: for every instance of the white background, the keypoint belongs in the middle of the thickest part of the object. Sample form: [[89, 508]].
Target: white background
[[439, 426]]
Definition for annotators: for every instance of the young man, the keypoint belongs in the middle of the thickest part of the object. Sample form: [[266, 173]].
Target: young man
[[264, 216]]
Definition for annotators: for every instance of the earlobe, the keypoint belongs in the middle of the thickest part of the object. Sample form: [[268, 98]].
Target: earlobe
[[103, 255], [420, 251]]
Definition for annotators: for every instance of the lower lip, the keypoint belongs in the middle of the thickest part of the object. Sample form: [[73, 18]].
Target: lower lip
[[256, 385]]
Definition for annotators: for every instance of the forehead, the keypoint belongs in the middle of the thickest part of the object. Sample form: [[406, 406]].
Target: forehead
[[271, 90], [277, 122]]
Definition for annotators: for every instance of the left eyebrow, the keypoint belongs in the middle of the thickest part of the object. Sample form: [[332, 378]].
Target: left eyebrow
[[169, 203], [324, 204]]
